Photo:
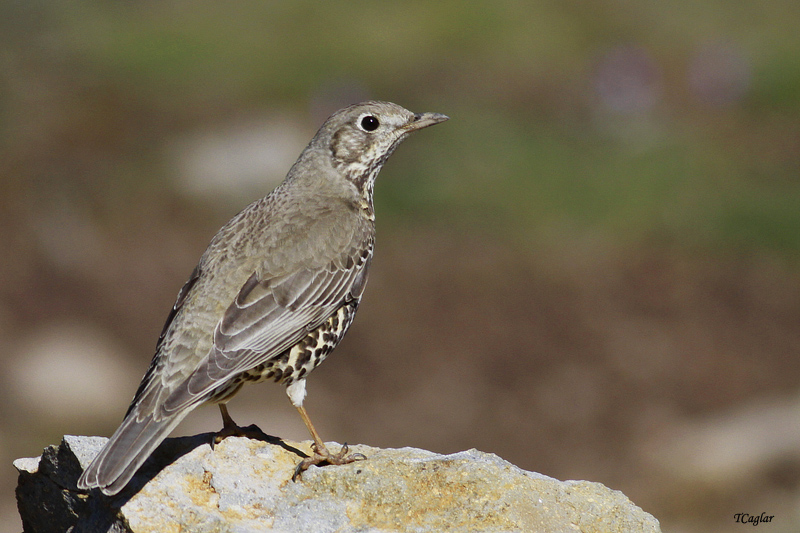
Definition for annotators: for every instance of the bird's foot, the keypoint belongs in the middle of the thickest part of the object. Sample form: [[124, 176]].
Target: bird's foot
[[251, 432], [321, 456]]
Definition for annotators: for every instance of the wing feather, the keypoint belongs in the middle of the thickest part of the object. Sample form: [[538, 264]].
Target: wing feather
[[266, 318]]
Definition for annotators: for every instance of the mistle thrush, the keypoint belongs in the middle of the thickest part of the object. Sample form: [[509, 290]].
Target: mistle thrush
[[273, 294]]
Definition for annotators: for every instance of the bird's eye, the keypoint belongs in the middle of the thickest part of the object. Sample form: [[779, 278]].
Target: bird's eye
[[369, 123]]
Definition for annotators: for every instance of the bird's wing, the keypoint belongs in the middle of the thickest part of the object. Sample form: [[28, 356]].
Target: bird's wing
[[267, 317]]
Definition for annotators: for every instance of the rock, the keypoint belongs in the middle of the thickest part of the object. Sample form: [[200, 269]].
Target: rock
[[93, 367], [729, 448], [240, 157], [244, 485]]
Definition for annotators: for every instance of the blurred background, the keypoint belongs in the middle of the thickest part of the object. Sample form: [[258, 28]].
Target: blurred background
[[592, 270]]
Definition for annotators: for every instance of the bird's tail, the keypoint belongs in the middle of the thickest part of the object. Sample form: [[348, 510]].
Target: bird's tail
[[126, 450]]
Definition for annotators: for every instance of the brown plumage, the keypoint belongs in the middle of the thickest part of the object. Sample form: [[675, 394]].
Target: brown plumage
[[274, 292]]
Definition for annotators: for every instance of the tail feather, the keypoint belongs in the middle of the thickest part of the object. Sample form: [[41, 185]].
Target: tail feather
[[126, 450]]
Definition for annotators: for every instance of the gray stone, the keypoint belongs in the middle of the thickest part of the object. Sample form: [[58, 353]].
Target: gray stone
[[244, 485]]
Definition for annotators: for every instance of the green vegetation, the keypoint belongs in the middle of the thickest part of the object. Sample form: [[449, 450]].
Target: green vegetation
[[536, 139]]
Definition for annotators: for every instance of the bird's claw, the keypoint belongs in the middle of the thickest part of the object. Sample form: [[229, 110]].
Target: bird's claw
[[252, 432], [321, 456]]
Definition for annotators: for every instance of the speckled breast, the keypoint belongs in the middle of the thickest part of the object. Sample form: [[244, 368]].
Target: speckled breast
[[296, 362]]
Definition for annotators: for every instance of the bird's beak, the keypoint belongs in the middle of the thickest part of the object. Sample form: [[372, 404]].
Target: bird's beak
[[423, 120]]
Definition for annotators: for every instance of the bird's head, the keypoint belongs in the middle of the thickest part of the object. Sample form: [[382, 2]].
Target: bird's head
[[361, 137]]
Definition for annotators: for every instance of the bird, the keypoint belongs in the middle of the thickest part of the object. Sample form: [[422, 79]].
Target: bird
[[272, 295]]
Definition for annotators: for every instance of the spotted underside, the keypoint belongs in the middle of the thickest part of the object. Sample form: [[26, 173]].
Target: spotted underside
[[298, 361]]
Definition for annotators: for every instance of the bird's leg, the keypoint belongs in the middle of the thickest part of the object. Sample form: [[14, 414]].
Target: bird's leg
[[319, 452], [231, 429], [319, 446], [227, 421]]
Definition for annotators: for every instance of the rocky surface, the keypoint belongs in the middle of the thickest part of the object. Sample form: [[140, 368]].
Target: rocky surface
[[244, 485]]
